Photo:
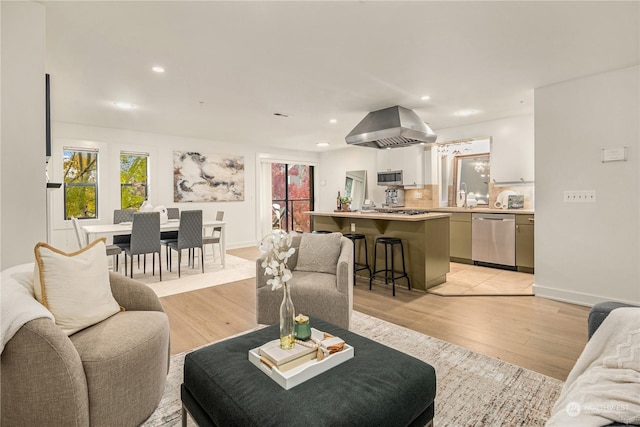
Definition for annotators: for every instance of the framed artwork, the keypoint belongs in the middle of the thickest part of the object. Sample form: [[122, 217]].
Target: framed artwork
[[199, 177]]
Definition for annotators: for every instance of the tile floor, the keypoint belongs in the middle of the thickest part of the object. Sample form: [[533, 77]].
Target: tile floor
[[468, 280]]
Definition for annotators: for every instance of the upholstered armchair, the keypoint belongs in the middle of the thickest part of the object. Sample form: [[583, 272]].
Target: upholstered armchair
[[110, 374], [322, 283]]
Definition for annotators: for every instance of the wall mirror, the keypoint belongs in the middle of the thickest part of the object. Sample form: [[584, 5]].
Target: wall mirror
[[445, 164], [355, 187], [471, 173]]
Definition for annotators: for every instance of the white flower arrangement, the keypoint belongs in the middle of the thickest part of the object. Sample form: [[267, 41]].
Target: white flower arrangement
[[278, 247]]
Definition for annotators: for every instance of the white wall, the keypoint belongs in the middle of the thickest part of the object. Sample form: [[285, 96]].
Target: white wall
[[587, 253], [332, 173], [23, 192], [241, 216]]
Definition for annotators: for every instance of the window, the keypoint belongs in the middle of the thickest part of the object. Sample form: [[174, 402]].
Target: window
[[292, 186], [80, 183], [133, 179]]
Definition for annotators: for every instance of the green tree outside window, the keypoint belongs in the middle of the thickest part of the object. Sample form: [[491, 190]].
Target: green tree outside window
[[133, 180], [80, 183]]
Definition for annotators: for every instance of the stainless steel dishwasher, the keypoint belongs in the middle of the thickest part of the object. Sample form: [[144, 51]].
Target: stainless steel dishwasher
[[493, 238]]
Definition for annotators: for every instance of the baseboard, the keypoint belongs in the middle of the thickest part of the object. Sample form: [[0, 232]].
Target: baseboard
[[241, 245], [578, 298]]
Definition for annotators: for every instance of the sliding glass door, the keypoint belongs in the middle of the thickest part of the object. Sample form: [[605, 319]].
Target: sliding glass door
[[292, 194]]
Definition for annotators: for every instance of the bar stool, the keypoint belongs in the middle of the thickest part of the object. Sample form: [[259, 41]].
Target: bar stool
[[357, 266], [389, 273]]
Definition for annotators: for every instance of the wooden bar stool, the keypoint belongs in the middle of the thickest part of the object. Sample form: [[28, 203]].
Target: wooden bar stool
[[389, 273], [357, 266]]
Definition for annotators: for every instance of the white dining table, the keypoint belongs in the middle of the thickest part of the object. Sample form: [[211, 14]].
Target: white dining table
[[93, 232]]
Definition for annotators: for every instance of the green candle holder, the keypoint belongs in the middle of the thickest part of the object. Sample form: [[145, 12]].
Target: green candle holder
[[302, 331]]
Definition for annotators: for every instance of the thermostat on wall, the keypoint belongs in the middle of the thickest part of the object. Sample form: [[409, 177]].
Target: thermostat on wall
[[614, 154]]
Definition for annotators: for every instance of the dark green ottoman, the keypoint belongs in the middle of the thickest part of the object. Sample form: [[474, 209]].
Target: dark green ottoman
[[378, 386]]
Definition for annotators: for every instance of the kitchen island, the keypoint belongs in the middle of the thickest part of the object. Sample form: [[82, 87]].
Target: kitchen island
[[425, 237]]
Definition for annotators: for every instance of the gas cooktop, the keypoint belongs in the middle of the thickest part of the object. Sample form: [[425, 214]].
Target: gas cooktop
[[403, 211]]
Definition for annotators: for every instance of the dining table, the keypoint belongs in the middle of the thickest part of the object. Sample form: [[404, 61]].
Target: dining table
[[93, 232]]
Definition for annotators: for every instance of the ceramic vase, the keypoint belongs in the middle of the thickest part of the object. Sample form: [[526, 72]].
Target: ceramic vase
[[287, 322]]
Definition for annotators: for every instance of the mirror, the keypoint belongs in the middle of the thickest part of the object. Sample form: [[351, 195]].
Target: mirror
[[471, 173], [355, 187], [444, 165]]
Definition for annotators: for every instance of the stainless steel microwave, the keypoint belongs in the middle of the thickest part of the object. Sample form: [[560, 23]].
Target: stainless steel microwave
[[390, 178]]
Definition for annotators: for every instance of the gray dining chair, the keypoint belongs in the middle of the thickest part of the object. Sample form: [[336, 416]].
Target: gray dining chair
[[173, 213], [165, 236], [119, 216], [145, 239], [189, 236], [123, 240], [215, 236], [112, 250]]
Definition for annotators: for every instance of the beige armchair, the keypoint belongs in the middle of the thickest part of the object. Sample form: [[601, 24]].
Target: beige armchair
[[112, 373], [328, 296]]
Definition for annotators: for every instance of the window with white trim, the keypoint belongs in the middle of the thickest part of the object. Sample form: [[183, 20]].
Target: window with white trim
[[134, 179], [80, 172]]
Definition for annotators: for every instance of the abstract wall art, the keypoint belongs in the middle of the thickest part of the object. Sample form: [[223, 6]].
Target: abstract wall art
[[201, 177]]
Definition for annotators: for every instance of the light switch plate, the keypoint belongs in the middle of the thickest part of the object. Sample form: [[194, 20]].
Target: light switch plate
[[580, 196]]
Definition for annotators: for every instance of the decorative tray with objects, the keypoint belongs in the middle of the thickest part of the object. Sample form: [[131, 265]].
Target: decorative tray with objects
[[306, 360]]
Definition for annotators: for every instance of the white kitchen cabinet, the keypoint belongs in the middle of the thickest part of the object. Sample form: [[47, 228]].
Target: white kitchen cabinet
[[512, 154], [410, 160]]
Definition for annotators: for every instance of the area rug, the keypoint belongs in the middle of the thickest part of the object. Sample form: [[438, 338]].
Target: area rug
[[472, 389], [192, 279]]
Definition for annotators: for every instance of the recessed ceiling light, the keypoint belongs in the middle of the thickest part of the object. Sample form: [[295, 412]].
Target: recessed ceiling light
[[333, 121], [463, 113], [281, 115], [124, 105], [158, 69], [322, 144], [425, 98]]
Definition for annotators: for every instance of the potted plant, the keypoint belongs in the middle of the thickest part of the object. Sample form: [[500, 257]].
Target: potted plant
[[344, 203]]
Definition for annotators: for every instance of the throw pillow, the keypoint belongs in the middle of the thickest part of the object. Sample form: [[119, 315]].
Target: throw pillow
[[319, 252], [74, 286]]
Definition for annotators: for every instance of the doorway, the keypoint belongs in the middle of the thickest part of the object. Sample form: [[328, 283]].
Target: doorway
[[291, 195]]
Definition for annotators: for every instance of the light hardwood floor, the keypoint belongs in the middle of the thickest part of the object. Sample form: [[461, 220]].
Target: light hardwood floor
[[539, 334]]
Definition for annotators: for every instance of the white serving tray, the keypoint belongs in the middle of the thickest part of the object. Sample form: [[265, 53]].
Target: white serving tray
[[301, 373]]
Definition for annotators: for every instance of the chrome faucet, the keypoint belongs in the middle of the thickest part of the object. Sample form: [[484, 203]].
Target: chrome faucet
[[464, 205]]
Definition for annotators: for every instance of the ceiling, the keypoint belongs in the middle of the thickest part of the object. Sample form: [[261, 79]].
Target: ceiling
[[231, 65]]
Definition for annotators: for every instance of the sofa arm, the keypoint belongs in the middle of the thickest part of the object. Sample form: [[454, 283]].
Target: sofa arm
[[344, 270], [133, 295], [599, 312], [43, 381]]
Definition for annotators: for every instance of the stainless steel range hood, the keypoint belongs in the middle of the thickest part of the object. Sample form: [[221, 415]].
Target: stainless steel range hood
[[389, 128]]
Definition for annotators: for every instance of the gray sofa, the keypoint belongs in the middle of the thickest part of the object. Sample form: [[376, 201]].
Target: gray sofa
[[318, 294], [110, 374], [598, 313]]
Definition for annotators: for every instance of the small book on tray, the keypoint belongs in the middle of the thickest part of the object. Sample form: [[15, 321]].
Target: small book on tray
[[278, 357]]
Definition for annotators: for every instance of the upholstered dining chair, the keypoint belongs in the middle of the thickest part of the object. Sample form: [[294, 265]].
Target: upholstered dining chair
[[189, 236], [145, 239], [215, 236], [114, 250], [172, 213], [120, 216]]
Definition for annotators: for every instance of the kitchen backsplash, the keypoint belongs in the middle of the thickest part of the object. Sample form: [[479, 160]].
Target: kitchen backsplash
[[424, 198]]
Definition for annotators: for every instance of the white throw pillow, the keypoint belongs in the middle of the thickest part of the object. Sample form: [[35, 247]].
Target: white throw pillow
[[74, 286], [319, 252]]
